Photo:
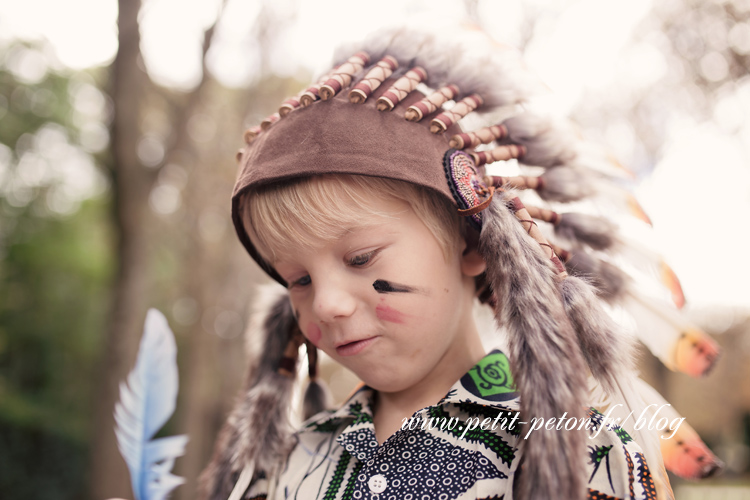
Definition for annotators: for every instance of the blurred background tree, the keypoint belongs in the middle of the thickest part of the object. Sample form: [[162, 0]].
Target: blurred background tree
[[82, 263], [114, 189], [55, 267]]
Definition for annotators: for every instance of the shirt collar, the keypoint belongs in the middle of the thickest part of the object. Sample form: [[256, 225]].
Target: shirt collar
[[488, 383]]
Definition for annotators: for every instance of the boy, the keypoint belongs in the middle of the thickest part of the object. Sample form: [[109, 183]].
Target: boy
[[383, 234]]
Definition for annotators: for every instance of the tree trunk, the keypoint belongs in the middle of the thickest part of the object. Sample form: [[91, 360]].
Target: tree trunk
[[215, 365], [131, 184]]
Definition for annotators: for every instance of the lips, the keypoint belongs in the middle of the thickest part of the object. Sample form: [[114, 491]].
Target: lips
[[355, 347]]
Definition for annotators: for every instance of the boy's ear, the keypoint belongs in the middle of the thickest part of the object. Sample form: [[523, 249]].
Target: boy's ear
[[472, 263]]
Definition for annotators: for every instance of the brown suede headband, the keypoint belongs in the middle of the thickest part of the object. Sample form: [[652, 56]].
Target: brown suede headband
[[336, 136]]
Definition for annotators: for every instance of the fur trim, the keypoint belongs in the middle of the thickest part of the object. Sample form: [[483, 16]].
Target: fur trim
[[548, 143], [547, 363], [607, 350], [609, 280], [257, 431], [565, 184], [596, 232]]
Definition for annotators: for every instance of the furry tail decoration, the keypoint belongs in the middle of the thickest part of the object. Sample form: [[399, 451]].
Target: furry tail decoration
[[608, 350], [547, 143], [548, 365], [257, 434], [596, 232], [565, 184], [609, 280]]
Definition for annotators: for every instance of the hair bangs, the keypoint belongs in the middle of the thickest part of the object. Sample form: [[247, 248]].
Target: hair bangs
[[318, 209]]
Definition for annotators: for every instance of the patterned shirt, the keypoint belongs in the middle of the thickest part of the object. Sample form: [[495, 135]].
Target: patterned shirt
[[444, 452]]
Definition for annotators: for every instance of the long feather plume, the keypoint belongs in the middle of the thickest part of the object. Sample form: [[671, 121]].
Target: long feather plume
[[653, 265], [625, 405], [671, 337], [146, 403], [685, 454]]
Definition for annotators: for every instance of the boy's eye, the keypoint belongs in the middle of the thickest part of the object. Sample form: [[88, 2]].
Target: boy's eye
[[303, 281], [362, 259]]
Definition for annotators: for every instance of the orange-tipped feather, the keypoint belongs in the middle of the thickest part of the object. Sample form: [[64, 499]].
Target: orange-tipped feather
[[672, 282]]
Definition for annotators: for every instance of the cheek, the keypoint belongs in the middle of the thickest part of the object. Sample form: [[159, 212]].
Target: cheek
[[387, 313], [313, 334]]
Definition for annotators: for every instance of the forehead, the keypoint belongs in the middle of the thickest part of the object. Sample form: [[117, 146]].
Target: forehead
[[292, 220]]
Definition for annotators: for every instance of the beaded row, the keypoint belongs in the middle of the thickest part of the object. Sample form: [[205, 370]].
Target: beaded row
[[341, 77]]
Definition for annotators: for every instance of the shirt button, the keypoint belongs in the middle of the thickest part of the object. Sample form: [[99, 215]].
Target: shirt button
[[377, 483]]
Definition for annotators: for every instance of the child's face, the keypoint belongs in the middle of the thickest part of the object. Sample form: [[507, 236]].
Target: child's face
[[382, 300]]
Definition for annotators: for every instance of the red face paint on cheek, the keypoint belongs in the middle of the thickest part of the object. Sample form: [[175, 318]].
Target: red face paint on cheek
[[389, 314], [313, 333]]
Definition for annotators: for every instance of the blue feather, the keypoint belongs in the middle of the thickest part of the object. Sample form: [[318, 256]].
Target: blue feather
[[146, 403]]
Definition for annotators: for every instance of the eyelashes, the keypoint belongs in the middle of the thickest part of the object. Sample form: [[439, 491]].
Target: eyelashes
[[363, 259], [359, 261], [303, 281]]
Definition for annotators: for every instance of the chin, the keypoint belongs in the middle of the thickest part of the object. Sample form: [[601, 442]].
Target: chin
[[389, 382]]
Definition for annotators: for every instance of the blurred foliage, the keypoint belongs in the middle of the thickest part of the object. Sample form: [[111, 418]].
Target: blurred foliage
[[52, 306], [58, 260], [36, 463], [55, 266]]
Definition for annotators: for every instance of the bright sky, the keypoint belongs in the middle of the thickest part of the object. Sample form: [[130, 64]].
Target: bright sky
[[581, 45]]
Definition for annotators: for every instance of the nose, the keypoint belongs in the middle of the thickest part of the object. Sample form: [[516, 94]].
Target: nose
[[333, 300]]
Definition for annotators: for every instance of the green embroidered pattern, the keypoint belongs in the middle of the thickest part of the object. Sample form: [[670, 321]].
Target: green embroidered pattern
[[492, 375], [349, 491], [622, 434], [598, 453], [491, 440], [329, 425], [360, 417], [338, 476]]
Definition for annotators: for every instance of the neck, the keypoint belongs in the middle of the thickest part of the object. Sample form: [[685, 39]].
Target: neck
[[392, 407]]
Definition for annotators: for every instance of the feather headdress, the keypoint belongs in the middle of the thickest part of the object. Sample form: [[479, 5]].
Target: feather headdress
[[380, 112]]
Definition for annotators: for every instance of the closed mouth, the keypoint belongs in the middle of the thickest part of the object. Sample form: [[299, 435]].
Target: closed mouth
[[355, 347]]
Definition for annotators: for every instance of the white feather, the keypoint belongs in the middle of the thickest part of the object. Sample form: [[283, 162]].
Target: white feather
[[626, 405], [146, 403], [659, 326]]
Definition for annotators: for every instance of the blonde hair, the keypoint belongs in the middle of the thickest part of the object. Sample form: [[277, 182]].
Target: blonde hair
[[311, 209]]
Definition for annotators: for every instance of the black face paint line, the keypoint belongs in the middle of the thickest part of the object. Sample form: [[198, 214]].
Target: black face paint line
[[383, 286]]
